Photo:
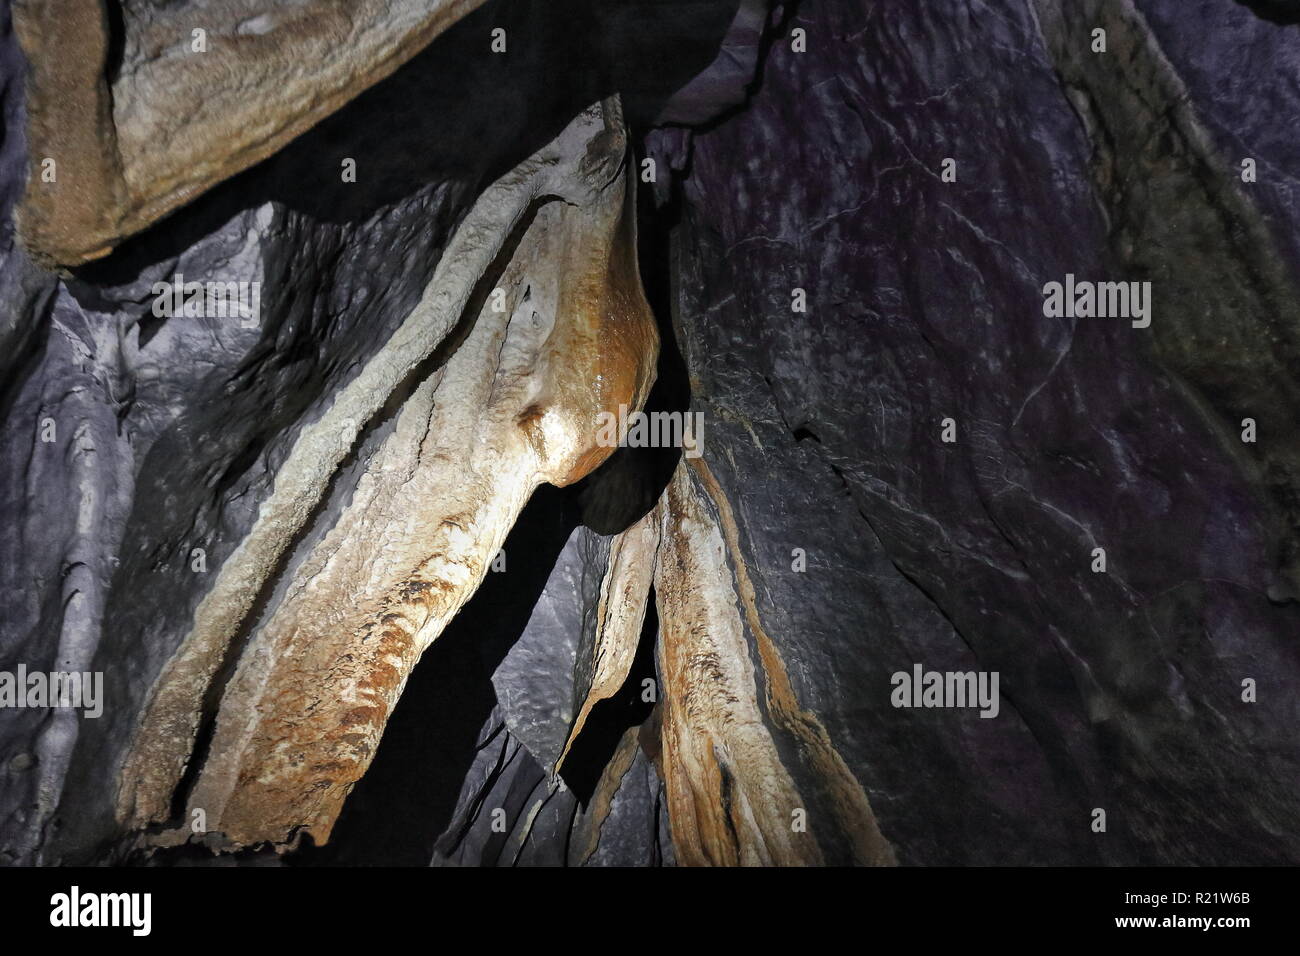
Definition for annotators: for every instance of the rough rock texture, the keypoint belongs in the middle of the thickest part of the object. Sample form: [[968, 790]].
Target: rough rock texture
[[513, 661], [1121, 690], [25, 290], [142, 105], [620, 616], [182, 423], [731, 797], [681, 659], [514, 405]]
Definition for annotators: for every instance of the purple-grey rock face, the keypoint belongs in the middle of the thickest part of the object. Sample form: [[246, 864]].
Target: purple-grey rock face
[[1123, 689], [910, 461]]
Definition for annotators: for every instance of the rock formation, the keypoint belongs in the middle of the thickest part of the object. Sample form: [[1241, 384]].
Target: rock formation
[[313, 333]]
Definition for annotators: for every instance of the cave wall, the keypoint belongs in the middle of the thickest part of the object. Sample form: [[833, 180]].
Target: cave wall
[[169, 433], [681, 655], [1120, 690]]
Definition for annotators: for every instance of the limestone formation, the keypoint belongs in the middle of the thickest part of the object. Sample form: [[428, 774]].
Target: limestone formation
[[142, 105], [357, 575], [559, 333]]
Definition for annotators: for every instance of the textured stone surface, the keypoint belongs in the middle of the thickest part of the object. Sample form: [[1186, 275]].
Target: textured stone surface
[[536, 681], [143, 105], [731, 795], [514, 405], [707, 654], [208, 411], [1120, 690]]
